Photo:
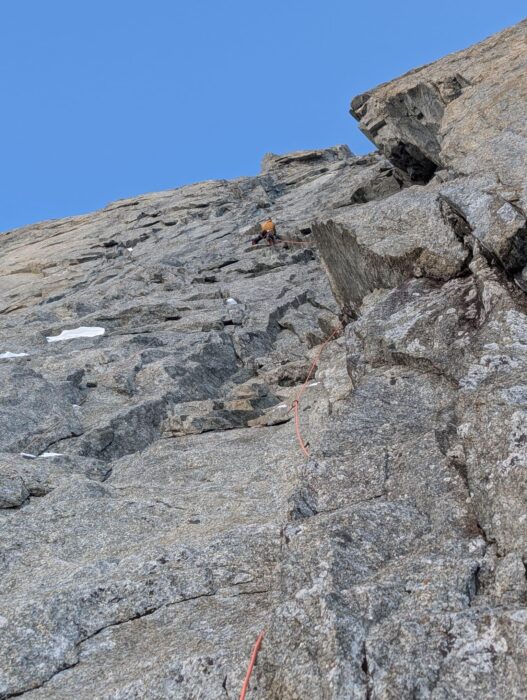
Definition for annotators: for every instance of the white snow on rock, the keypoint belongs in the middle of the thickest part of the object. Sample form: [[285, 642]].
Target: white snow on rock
[[81, 332], [8, 355], [28, 455], [230, 300]]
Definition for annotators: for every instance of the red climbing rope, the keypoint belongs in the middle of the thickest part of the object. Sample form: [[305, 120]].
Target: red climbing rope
[[303, 447], [252, 661], [296, 402]]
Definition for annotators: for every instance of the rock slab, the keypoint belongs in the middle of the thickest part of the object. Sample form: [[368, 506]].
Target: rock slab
[[156, 511]]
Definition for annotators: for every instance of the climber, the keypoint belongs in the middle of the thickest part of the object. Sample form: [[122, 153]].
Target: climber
[[267, 233]]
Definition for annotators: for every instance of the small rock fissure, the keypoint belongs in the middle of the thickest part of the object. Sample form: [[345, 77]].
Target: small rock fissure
[[138, 616], [365, 667]]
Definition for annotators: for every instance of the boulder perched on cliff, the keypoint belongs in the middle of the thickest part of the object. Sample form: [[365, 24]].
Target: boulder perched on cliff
[[156, 509]]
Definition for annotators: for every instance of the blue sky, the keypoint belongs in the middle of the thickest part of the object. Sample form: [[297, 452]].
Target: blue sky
[[108, 99]]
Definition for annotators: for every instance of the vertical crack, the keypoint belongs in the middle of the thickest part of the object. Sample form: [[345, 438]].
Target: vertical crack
[[367, 673]]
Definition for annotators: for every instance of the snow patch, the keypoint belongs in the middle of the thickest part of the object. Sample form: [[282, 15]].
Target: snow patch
[[8, 355], [231, 301], [51, 454], [81, 332]]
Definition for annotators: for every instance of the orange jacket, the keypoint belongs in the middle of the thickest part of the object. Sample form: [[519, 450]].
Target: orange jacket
[[268, 226]]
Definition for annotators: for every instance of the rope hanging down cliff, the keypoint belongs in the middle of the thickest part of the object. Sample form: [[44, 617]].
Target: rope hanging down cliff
[[252, 661], [295, 407], [296, 402]]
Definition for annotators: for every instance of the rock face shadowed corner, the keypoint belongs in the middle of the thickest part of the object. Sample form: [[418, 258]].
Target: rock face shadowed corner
[[168, 514]]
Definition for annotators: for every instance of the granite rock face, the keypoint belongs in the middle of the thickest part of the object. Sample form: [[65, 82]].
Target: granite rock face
[[434, 277], [156, 511], [463, 118]]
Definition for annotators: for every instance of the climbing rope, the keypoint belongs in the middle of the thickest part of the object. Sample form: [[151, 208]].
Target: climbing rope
[[296, 402], [303, 447], [252, 661], [294, 407]]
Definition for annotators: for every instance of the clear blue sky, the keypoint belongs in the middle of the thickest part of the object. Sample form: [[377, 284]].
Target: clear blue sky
[[104, 99]]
